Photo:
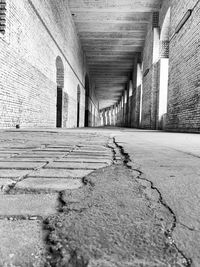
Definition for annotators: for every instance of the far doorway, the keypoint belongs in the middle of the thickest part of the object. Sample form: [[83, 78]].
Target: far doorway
[[78, 105], [60, 86], [59, 107]]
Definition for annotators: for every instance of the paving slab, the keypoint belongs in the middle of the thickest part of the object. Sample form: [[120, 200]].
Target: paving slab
[[52, 150], [88, 156], [92, 152], [93, 148], [42, 155], [20, 165], [49, 184], [59, 173], [13, 174], [75, 165], [21, 244], [25, 159], [69, 147], [89, 160], [6, 155], [28, 205]]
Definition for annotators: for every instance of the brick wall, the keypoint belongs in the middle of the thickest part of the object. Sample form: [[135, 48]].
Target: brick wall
[[37, 32], [183, 112], [184, 61]]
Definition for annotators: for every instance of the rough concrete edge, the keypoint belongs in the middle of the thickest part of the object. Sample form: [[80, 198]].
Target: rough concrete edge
[[142, 177]]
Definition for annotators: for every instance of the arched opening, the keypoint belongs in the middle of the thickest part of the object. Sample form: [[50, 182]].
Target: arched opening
[[78, 105], [60, 86], [164, 71], [87, 96]]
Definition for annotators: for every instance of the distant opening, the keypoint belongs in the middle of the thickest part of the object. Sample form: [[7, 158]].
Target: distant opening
[[59, 107], [164, 71], [60, 86], [78, 105], [87, 95]]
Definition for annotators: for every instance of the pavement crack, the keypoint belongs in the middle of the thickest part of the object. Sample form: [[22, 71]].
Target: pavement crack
[[188, 227], [168, 234]]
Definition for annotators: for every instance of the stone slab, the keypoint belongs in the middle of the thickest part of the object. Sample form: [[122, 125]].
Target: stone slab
[[93, 148], [10, 151], [28, 204], [89, 160], [7, 155], [89, 156], [52, 150], [59, 173], [57, 184], [24, 159], [42, 155], [60, 147], [21, 243], [75, 165], [84, 152], [14, 174], [20, 165]]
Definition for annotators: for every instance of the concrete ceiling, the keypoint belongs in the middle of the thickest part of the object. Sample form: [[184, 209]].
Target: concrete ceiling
[[112, 32]]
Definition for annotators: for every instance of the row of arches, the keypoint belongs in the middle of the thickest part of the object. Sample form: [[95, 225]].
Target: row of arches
[[133, 109], [62, 98]]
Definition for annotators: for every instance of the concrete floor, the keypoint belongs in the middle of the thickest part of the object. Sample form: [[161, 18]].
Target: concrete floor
[[99, 197]]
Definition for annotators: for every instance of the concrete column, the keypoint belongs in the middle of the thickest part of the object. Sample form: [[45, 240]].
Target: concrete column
[[115, 114], [134, 97], [155, 67], [104, 117], [140, 91], [127, 106], [111, 116], [108, 117], [124, 107], [130, 102]]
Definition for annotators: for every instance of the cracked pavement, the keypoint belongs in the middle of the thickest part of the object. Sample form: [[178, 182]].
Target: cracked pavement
[[99, 197]]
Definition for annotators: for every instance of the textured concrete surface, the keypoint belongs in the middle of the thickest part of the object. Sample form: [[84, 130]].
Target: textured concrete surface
[[171, 162]]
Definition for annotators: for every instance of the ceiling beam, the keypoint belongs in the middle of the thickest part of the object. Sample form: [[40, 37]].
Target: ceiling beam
[[110, 27], [116, 17], [133, 42], [111, 53], [112, 35], [114, 5], [118, 48]]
